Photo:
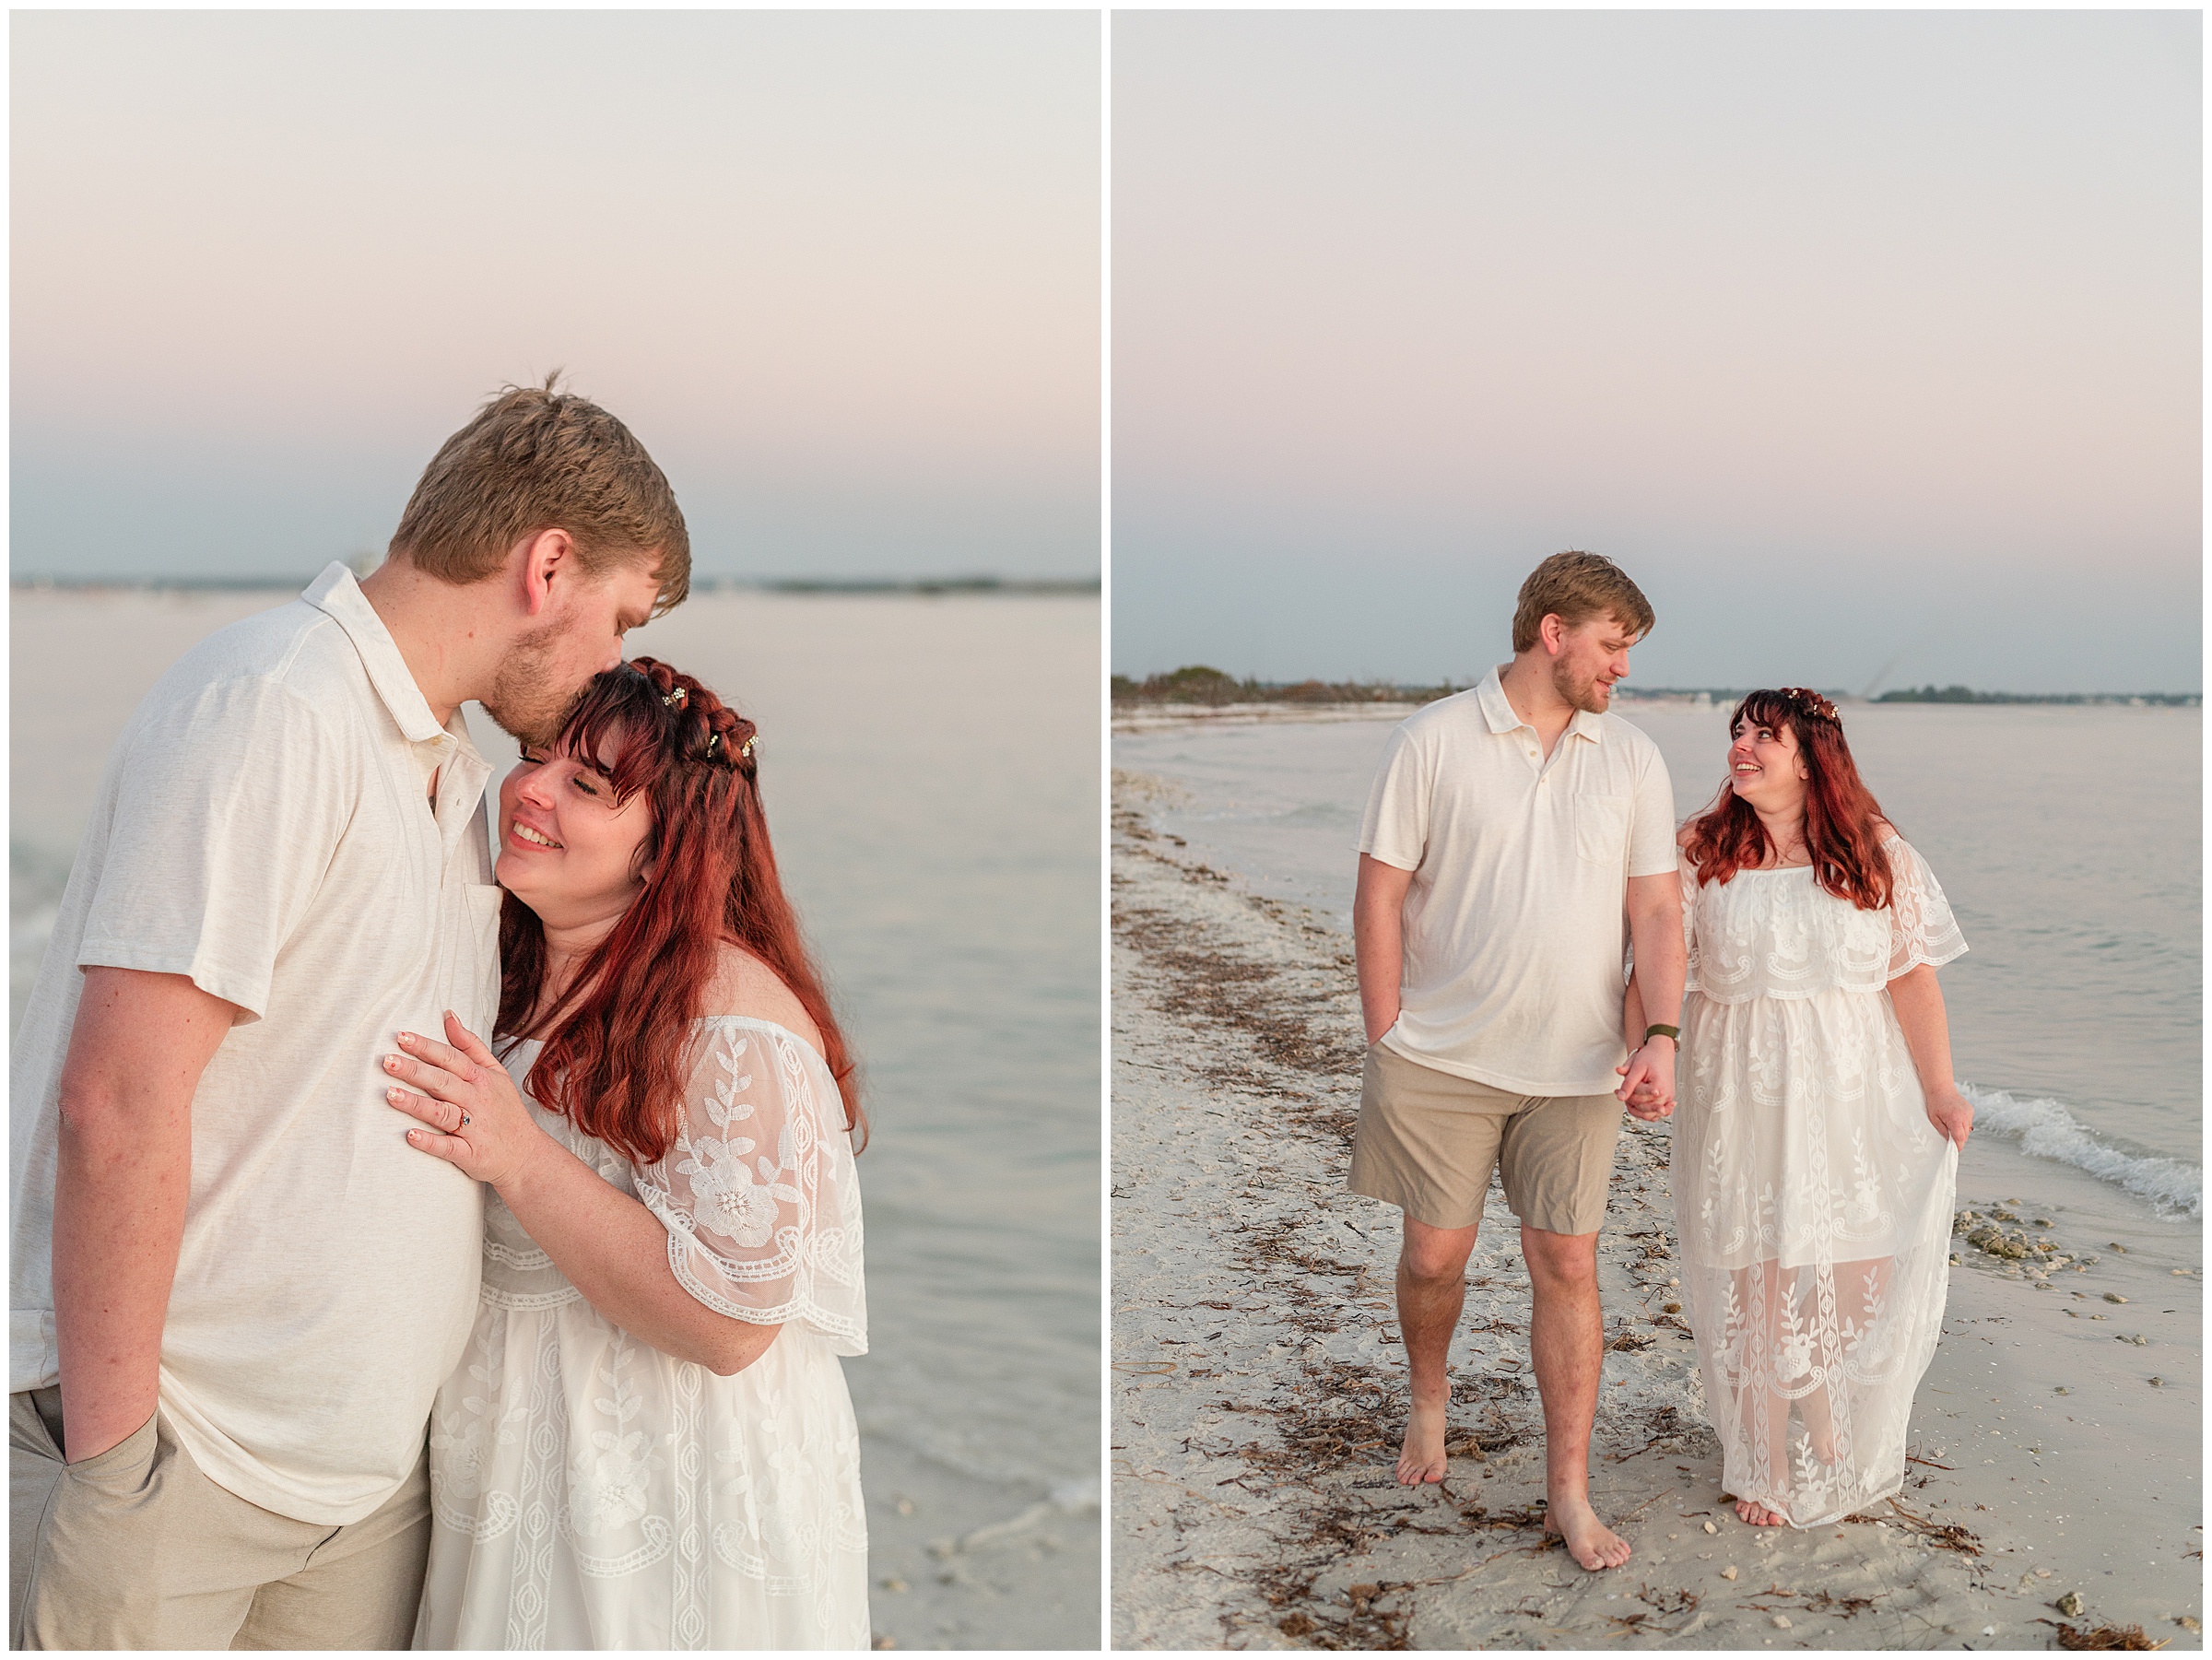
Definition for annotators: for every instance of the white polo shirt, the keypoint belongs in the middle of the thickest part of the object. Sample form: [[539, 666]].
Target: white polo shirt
[[1514, 928], [263, 827]]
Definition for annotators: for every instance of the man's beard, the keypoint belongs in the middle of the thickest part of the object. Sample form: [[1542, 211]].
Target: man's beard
[[523, 702], [1578, 694]]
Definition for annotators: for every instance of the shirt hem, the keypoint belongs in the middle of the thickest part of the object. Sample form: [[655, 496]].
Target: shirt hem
[[242, 1483], [1496, 1080], [31, 1361]]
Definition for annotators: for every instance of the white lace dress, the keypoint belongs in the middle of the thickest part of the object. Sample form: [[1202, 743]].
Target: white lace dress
[[591, 1492], [1812, 1195]]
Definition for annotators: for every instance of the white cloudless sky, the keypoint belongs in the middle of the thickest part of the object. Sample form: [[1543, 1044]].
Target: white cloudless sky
[[1864, 341], [838, 270]]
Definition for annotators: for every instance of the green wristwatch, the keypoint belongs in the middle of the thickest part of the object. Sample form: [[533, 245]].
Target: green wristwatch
[[1664, 1031]]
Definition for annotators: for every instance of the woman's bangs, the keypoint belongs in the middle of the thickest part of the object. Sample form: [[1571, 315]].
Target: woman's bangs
[[612, 709], [1765, 708]]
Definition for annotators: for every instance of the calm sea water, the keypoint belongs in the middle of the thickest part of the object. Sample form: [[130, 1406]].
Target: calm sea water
[[930, 770], [2067, 840]]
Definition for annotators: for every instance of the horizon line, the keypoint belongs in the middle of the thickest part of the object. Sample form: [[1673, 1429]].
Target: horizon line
[[972, 583]]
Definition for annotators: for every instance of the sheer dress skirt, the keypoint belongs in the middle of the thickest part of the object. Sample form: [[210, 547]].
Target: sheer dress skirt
[[1813, 1201]]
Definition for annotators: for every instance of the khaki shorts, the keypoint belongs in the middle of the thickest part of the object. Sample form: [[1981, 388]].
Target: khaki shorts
[[135, 1548], [1428, 1140]]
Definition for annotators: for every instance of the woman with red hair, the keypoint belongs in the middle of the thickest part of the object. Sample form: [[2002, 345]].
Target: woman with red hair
[[648, 1442], [1816, 1151]]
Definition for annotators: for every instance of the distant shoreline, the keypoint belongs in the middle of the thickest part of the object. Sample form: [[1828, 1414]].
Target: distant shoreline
[[1188, 691], [926, 586]]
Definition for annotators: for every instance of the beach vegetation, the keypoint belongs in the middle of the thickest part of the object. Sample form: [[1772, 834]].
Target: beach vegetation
[[1966, 694], [1197, 683]]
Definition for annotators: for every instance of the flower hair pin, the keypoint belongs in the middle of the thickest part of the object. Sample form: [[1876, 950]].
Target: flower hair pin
[[1813, 702], [676, 697]]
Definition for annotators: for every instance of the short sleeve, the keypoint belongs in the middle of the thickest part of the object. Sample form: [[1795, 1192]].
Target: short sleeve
[[1922, 928], [1395, 828], [1687, 873], [759, 1193], [228, 809], [1651, 850]]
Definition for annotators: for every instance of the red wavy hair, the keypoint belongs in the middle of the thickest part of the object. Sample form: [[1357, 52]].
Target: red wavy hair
[[1840, 811], [618, 1049]]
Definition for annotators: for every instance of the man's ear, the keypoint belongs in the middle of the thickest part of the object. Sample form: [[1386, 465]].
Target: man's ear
[[1552, 632], [547, 557]]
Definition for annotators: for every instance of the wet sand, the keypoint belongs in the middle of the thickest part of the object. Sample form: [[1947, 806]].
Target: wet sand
[[1258, 1388]]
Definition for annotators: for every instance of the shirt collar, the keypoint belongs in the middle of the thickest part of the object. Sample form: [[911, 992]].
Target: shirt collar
[[1498, 712], [1491, 694], [339, 597]]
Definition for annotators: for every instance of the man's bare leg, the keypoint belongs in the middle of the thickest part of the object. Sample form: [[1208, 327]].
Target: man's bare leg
[[1566, 1342], [1432, 1287]]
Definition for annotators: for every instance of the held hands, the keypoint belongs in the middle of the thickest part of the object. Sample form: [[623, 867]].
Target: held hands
[[1647, 1082], [477, 1121], [1951, 1114]]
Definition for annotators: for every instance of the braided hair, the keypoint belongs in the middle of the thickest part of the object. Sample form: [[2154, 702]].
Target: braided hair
[[617, 1045]]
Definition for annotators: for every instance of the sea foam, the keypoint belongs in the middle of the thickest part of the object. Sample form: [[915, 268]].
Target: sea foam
[[2047, 1129]]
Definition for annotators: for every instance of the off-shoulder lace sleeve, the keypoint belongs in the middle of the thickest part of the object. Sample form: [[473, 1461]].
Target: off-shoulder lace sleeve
[[1687, 873], [759, 1193], [1922, 928]]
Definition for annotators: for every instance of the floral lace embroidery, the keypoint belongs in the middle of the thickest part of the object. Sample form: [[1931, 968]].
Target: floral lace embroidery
[[1813, 1197], [571, 1448]]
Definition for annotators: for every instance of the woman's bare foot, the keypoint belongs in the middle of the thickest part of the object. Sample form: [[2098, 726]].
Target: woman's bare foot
[[1758, 1515], [1422, 1456], [1589, 1540]]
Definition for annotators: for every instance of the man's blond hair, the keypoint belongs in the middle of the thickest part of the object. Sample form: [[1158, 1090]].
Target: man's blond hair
[[1574, 587], [536, 459]]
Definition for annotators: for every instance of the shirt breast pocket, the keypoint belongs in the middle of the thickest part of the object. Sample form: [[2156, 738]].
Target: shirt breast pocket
[[1601, 829]]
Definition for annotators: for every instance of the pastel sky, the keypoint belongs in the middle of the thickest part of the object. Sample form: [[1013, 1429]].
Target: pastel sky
[[838, 270], [1870, 343]]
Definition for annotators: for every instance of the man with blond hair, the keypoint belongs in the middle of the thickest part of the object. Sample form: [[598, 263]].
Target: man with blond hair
[[234, 1288], [1510, 830]]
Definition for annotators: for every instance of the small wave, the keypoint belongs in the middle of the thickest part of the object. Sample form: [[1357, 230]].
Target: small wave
[[1067, 1499], [1076, 1497], [2046, 1129]]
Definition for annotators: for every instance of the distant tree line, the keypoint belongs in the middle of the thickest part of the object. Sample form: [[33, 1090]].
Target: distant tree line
[[1967, 694], [1198, 684]]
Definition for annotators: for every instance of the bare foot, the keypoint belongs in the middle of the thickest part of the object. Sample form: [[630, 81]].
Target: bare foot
[[1589, 1540], [1821, 1438], [1758, 1515], [1422, 1457]]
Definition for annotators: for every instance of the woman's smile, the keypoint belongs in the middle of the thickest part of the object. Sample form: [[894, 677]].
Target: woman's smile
[[555, 803]]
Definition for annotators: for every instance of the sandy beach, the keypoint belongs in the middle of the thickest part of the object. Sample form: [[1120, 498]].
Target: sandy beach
[[1258, 1387]]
